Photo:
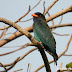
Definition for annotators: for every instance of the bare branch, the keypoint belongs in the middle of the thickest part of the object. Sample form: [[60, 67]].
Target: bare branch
[[18, 70], [22, 47], [67, 55], [3, 67], [26, 20], [60, 34], [61, 19], [6, 65], [23, 15], [52, 20], [69, 9], [4, 28], [50, 7], [18, 34], [61, 25], [2, 34], [35, 5], [44, 6]]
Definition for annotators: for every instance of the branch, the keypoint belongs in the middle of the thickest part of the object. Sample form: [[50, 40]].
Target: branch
[[18, 70], [31, 38], [50, 7], [67, 54], [3, 67], [18, 34], [58, 55], [61, 25], [22, 57], [22, 47], [69, 9], [36, 4], [60, 34]]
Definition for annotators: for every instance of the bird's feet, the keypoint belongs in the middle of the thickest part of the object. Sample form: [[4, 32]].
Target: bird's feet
[[41, 44]]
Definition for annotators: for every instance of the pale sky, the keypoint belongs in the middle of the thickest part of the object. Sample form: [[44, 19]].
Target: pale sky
[[12, 10]]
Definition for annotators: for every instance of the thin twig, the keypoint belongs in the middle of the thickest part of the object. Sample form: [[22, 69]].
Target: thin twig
[[22, 57], [18, 70], [66, 10], [22, 47], [4, 28], [35, 5], [2, 34], [3, 67], [52, 20], [60, 34], [50, 6], [23, 15], [67, 55], [26, 20], [44, 6], [61, 19]]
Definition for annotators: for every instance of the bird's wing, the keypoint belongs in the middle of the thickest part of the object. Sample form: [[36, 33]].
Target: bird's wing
[[44, 34]]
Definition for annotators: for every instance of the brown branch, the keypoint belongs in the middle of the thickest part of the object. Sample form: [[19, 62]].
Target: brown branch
[[69, 9], [52, 20], [11, 65], [35, 5], [50, 6], [17, 20], [14, 36], [26, 20], [60, 34], [61, 25], [44, 7], [18, 34], [61, 19], [4, 28], [18, 70], [23, 56], [2, 34], [67, 55], [3, 67], [61, 54], [22, 47], [23, 15]]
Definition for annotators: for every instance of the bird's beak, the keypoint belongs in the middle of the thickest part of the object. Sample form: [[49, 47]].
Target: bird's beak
[[34, 15]]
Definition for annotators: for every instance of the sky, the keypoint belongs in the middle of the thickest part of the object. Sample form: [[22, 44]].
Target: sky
[[14, 9]]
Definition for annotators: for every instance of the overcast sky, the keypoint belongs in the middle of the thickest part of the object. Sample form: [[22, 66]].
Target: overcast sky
[[12, 10]]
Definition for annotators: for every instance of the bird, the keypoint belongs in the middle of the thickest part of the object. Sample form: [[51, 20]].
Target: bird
[[43, 35]]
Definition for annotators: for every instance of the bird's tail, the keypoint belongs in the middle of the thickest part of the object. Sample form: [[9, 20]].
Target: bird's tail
[[55, 56]]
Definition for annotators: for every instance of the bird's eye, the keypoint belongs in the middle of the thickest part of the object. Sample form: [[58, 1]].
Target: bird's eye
[[39, 15]]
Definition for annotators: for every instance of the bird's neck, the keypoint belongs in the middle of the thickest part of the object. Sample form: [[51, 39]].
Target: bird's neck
[[36, 19]]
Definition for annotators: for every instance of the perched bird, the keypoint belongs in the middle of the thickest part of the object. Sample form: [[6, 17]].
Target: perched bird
[[43, 34]]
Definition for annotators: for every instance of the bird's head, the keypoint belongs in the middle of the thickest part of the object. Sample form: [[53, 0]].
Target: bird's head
[[38, 15]]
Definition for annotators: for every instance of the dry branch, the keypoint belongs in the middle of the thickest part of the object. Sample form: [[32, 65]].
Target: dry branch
[[22, 47], [3, 67], [50, 6], [18, 34], [18, 70], [69, 9], [22, 57]]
